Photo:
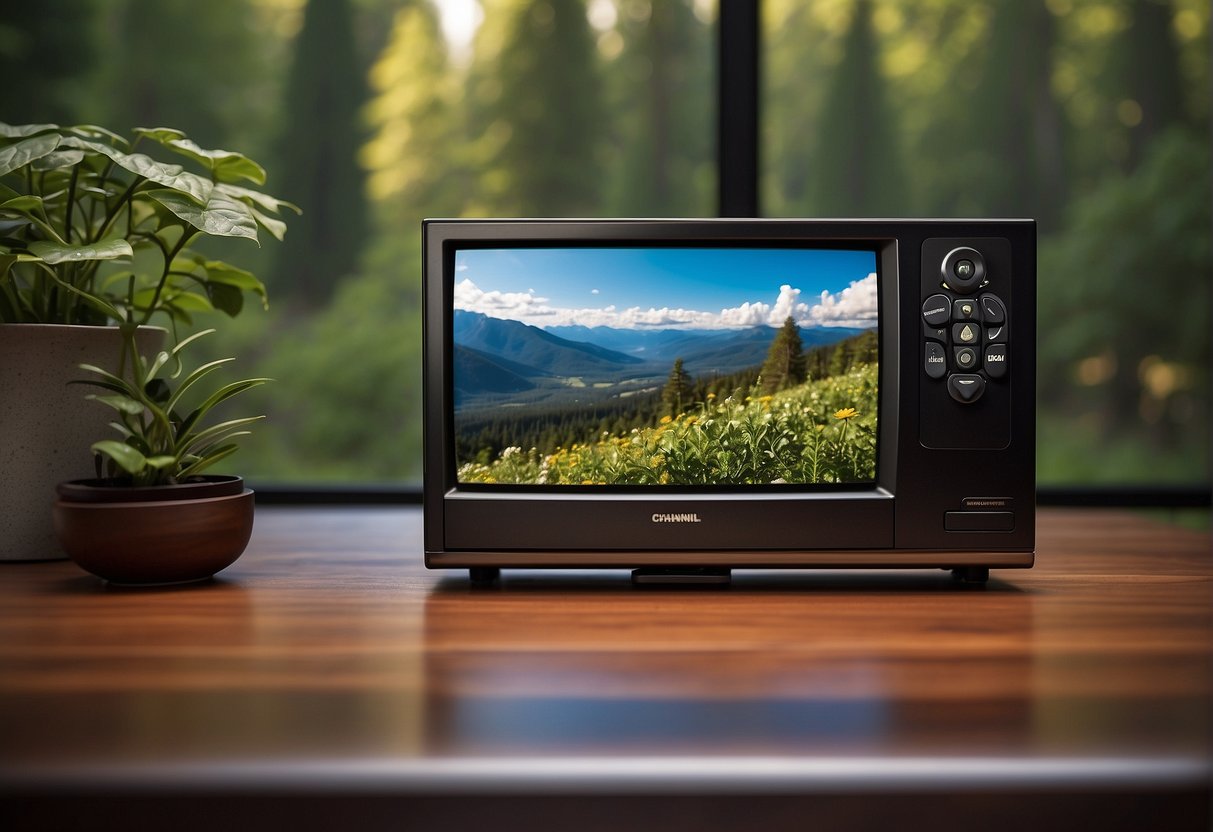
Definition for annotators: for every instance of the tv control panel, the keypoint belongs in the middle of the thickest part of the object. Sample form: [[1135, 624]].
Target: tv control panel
[[966, 344]]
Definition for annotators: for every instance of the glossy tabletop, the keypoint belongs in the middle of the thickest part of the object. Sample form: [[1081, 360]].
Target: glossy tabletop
[[327, 671]]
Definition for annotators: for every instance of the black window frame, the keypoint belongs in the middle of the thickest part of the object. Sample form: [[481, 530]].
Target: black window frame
[[738, 171]]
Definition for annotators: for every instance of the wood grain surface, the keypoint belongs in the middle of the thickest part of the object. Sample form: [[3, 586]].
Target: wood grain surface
[[328, 644]]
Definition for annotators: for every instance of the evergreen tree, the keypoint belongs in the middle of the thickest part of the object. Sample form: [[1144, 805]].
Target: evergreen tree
[[537, 121], [170, 64], [1146, 93], [661, 95], [316, 165], [856, 167], [410, 157], [785, 365], [46, 50], [679, 389]]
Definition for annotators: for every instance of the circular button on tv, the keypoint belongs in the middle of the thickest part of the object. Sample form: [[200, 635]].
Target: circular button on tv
[[963, 269]]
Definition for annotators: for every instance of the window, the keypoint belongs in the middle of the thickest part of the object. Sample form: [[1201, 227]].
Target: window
[[1090, 115]]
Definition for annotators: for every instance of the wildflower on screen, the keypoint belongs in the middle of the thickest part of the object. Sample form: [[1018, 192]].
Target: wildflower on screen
[[846, 413], [665, 420]]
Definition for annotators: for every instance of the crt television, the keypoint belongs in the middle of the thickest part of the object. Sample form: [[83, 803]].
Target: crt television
[[687, 397]]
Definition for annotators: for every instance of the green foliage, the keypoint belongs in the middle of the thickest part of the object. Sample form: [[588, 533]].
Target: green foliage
[[94, 231], [785, 364], [317, 156], [819, 432], [659, 94], [538, 108], [678, 389], [1145, 238], [857, 171], [163, 442], [59, 40]]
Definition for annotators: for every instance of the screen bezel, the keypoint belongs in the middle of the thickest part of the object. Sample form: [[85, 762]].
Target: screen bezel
[[455, 507]]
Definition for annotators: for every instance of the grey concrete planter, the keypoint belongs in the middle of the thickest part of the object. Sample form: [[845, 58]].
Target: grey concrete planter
[[46, 426]]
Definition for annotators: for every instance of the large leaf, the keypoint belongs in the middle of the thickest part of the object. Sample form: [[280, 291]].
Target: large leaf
[[58, 159], [53, 253], [21, 131], [170, 176], [262, 200], [225, 165], [91, 131], [163, 135], [18, 155], [220, 215], [130, 460], [22, 204]]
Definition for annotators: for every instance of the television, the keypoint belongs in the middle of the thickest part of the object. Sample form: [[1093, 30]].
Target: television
[[687, 397]]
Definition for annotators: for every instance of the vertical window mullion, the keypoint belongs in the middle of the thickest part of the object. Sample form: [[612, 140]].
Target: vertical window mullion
[[737, 74]]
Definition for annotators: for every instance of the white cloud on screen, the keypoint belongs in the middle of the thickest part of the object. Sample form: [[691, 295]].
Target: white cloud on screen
[[854, 306]]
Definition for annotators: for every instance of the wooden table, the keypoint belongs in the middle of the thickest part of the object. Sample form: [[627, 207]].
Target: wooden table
[[327, 680]]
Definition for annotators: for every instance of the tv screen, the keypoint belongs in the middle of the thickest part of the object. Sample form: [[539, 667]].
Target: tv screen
[[662, 367]]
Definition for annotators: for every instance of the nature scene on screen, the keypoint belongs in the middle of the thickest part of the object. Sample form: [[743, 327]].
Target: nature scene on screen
[[665, 366]]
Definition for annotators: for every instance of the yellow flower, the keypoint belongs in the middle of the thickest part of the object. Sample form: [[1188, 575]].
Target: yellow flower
[[711, 396], [846, 413], [765, 398], [690, 420], [665, 420]]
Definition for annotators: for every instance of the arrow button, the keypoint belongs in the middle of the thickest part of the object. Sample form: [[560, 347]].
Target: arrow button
[[966, 388]]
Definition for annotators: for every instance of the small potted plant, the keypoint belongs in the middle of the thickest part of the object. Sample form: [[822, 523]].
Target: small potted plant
[[96, 247], [151, 516]]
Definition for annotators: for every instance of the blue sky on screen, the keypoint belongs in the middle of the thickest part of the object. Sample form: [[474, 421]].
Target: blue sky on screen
[[656, 288]]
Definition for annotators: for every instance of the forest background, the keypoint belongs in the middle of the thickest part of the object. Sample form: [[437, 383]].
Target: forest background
[[1090, 115]]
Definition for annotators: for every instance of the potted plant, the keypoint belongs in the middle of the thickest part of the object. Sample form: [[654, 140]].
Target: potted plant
[[96, 245], [151, 516]]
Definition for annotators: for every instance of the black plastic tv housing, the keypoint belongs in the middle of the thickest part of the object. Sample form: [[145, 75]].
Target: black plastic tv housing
[[603, 393]]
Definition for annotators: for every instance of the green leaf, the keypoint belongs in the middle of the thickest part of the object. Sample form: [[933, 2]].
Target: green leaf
[[53, 253], [120, 402], [160, 360], [182, 344], [163, 135], [127, 457], [220, 216], [222, 394], [109, 381], [207, 461], [216, 433], [261, 200], [219, 272], [189, 302], [161, 462], [193, 377], [58, 159], [225, 298], [21, 131], [22, 204], [225, 165], [277, 228], [170, 176], [23, 152], [90, 131]]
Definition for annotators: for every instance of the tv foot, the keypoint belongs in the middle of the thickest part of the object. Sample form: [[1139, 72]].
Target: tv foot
[[484, 575], [682, 575], [971, 574]]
